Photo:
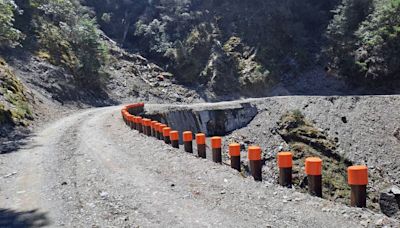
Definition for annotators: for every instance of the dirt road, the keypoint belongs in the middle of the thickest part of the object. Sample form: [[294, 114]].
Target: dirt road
[[90, 170]]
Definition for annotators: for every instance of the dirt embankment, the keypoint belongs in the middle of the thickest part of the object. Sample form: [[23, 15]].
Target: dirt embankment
[[33, 91], [341, 130]]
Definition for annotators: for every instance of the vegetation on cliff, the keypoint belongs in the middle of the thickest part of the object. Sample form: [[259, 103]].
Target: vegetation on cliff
[[61, 31], [364, 41], [246, 46], [14, 106]]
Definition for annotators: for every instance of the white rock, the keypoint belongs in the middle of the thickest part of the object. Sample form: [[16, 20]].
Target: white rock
[[395, 190], [104, 194]]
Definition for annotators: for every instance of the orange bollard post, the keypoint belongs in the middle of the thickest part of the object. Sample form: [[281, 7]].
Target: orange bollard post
[[174, 136], [139, 124], [132, 122], [216, 143], [125, 113], [358, 181], [153, 132], [255, 162], [160, 130], [201, 145], [187, 141], [285, 163], [157, 130], [146, 126], [166, 134], [314, 175], [234, 153]]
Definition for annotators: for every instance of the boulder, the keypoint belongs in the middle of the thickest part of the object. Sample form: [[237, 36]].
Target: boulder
[[397, 133], [390, 201]]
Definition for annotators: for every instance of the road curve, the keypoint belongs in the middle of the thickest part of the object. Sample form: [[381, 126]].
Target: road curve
[[90, 170]]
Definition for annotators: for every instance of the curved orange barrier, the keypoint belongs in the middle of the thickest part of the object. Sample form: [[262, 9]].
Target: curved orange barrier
[[357, 175]]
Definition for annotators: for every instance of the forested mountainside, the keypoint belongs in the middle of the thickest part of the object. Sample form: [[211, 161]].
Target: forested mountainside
[[252, 44], [223, 47], [223, 44]]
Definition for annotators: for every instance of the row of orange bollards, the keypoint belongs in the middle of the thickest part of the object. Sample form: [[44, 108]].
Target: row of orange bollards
[[357, 175]]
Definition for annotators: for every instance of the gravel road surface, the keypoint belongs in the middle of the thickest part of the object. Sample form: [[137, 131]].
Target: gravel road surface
[[89, 170]]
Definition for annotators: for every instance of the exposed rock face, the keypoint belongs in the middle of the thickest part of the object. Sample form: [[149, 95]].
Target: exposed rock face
[[211, 120], [390, 201], [14, 105], [306, 140], [397, 133]]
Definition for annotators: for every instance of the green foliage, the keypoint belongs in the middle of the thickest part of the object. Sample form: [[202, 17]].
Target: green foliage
[[117, 18], [307, 140], [72, 39], [167, 27], [9, 36], [364, 40], [15, 109], [379, 42]]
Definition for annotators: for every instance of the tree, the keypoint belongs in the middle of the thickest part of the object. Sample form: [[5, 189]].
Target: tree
[[341, 34], [364, 41], [71, 37], [377, 55], [9, 36]]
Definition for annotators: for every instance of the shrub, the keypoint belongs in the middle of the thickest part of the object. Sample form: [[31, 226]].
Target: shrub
[[9, 36]]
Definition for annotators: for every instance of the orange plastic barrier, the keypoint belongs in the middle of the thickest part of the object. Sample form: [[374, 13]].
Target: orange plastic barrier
[[200, 139], [187, 136], [254, 153], [285, 160], [216, 142], [234, 149], [357, 175], [314, 166]]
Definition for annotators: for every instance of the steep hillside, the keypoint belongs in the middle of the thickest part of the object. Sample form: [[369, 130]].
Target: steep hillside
[[105, 52], [222, 46], [59, 60], [14, 106], [250, 46]]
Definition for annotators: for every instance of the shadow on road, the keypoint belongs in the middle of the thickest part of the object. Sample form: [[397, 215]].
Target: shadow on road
[[21, 219], [15, 139]]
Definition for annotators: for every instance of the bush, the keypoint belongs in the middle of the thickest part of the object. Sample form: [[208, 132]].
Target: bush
[[9, 36], [72, 39], [377, 55], [364, 40]]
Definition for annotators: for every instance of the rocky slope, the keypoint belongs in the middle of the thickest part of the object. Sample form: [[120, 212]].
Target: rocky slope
[[341, 130]]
